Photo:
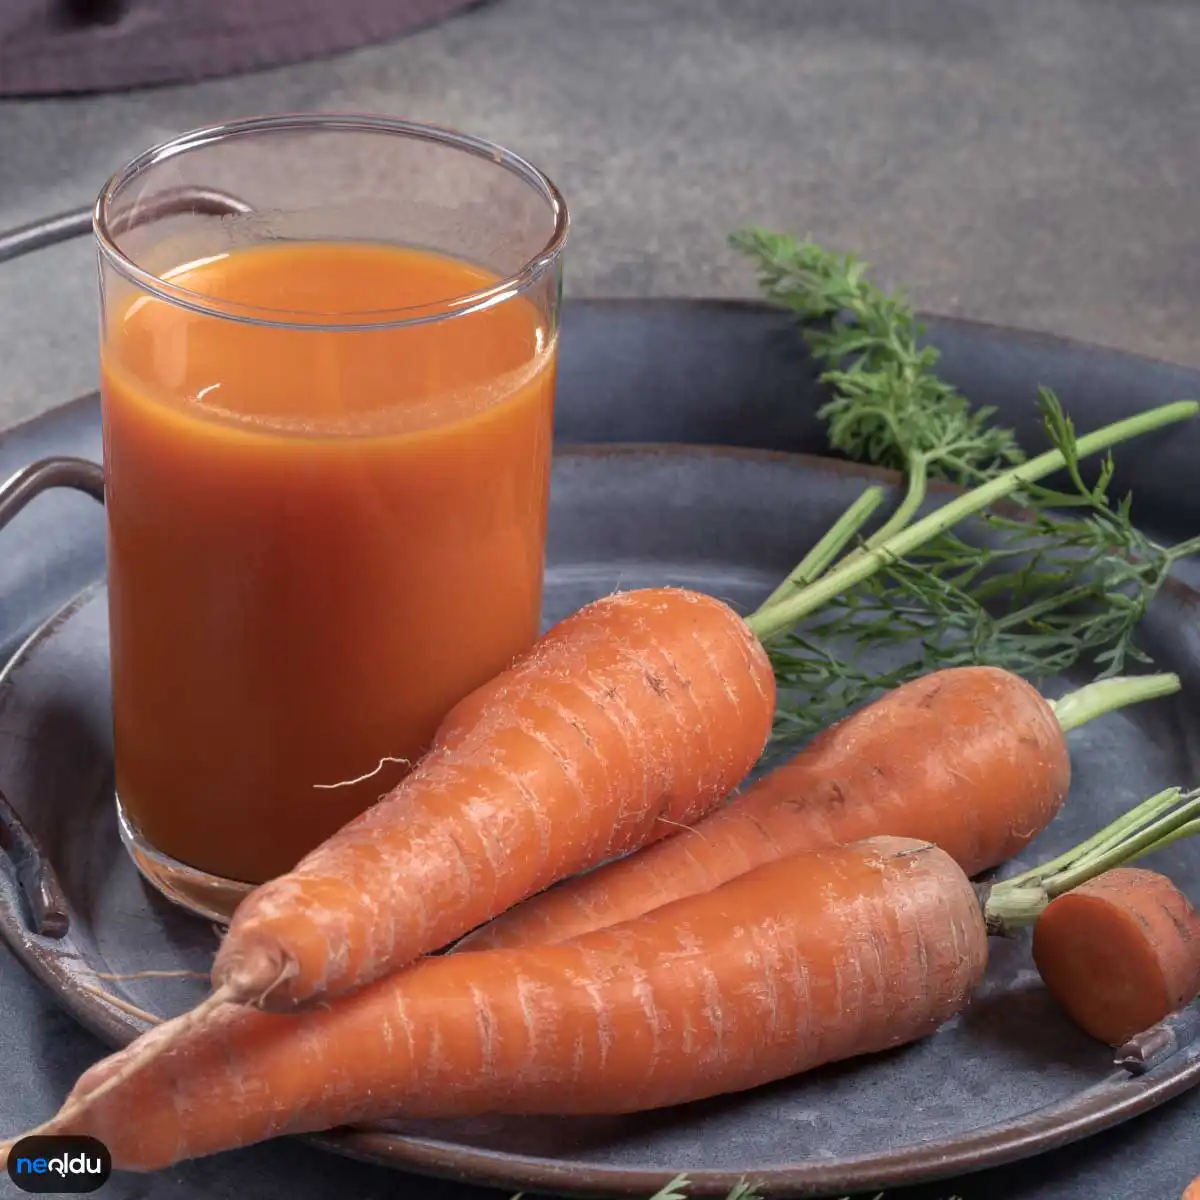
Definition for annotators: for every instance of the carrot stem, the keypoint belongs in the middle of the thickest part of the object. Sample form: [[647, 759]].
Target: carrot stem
[[818, 560], [1156, 822], [914, 497], [786, 612], [1141, 817], [1129, 822], [1189, 829], [1139, 844], [1107, 695]]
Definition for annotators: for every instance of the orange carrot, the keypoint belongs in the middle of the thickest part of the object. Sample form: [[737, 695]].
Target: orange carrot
[[971, 758], [787, 967], [1120, 952], [625, 719], [630, 718], [810, 959], [1193, 1190]]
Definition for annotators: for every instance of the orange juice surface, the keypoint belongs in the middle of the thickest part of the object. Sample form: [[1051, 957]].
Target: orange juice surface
[[319, 540]]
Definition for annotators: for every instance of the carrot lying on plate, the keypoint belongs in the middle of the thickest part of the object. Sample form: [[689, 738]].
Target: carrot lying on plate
[[628, 719], [794, 964], [837, 952], [637, 713], [971, 758], [1120, 952]]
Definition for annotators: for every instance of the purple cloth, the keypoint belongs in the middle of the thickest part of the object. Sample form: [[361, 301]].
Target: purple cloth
[[57, 46]]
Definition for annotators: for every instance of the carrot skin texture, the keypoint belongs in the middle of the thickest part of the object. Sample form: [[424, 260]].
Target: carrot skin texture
[[1120, 952], [635, 715], [847, 951], [971, 758]]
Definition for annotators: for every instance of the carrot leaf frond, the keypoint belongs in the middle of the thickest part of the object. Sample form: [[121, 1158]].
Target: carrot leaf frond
[[675, 1190], [1056, 576]]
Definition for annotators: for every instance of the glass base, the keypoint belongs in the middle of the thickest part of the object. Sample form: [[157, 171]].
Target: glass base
[[198, 892]]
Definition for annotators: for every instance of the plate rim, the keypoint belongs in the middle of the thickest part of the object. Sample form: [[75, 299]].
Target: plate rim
[[1104, 1104], [756, 306]]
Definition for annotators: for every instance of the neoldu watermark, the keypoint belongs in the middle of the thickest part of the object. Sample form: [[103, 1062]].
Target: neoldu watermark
[[66, 1166]]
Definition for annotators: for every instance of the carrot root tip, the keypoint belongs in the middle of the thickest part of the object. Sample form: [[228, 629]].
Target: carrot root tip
[[252, 976], [138, 1055]]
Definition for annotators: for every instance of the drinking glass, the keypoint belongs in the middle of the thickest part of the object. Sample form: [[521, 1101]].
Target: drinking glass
[[327, 399]]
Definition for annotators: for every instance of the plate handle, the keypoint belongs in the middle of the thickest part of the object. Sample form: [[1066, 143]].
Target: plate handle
[[21, 487], [61, 227], [45, 900], [1152, 1047], [36, 880], [43, 894]]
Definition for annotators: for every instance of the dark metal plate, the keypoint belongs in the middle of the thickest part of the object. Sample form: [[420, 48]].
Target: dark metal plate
[[1009, 1079]]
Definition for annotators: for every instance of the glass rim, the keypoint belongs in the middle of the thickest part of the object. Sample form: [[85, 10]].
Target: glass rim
[[469, 302]]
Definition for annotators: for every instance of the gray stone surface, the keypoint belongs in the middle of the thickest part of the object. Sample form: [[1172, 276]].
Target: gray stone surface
[[1028, 162]]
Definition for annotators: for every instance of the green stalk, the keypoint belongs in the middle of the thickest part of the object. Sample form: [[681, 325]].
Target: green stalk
[[1009, 909], [785, 613], [1186, 830], [1100, 846], [1184, 549], [1148, 839], [1021, 900], [1031, 612], [1107, 695], [1135, 818], [818, 560], [914, 497]]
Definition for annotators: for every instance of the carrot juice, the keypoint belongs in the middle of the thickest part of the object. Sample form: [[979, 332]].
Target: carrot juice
[[320, 538]]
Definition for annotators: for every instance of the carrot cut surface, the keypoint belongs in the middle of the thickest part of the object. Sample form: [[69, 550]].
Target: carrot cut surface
[[1119, 952]]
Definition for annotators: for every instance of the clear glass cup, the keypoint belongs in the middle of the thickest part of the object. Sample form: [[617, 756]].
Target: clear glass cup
[[328, 349]]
